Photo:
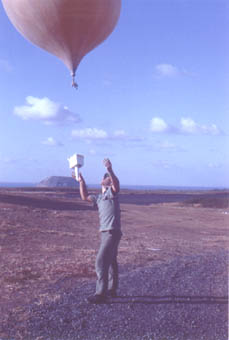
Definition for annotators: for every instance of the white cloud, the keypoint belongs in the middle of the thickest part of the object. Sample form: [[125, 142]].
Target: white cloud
[[92, 152], [165, 145], [187, 126], [120, 133], [5, 65], [213, 165], [166, 70], [17, 160], [159, 125], [45, 110], [50, 141], [90, 133], [98, 135], [162, 146], [7, 160], [162, 164]]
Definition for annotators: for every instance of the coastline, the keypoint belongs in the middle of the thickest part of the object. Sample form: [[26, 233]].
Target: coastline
[[16, 185]]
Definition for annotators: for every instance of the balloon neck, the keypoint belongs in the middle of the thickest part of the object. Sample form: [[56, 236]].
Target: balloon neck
[[74, 84]]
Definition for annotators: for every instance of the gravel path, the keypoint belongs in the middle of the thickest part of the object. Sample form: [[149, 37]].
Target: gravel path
[[185, 299]]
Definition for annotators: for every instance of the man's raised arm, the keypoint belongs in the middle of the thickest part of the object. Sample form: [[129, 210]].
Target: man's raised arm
[[115, 182], [83, 189]]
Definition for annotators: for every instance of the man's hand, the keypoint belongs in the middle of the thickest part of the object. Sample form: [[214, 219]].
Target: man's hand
[[79, 179], [83, 189], [114, 180], [73, 175], [107, 164]]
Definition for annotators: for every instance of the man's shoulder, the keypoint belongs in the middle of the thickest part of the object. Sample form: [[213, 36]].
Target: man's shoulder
[[93, 198], [110, 193]]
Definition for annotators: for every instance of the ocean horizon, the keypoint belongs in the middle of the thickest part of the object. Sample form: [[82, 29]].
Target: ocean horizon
[[124, 186]]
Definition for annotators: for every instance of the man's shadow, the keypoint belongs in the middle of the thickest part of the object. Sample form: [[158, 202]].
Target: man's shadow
[[169, 299]]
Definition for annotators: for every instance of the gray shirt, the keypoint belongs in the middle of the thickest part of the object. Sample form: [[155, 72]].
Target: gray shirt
[[109, 210]]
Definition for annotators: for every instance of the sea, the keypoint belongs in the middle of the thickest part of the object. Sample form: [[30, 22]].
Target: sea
[[128, 187]]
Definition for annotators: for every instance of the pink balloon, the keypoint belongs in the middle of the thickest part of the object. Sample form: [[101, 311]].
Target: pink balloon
[[68, 29]]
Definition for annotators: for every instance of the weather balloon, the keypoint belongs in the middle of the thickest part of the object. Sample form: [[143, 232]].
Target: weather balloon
[[68, 29]]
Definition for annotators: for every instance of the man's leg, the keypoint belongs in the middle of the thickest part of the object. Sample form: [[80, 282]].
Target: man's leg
[[113, 268], [113, 278], [103, 261]]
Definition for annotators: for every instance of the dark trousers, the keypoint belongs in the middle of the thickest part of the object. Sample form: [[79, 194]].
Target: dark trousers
[[106, 262]]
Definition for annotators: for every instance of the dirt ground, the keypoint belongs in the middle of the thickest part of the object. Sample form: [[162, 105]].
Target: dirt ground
[[49, 236]]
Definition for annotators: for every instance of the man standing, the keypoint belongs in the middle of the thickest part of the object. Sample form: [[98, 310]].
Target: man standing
[[110, 227]]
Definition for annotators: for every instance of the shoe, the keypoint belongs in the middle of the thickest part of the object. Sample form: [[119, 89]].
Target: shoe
[[97, 299], [112, 293]]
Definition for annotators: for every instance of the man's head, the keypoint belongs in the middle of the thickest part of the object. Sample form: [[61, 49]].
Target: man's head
[[106, 181]]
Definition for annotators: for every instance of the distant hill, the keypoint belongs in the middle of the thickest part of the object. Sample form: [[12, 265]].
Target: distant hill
[[58, 182]]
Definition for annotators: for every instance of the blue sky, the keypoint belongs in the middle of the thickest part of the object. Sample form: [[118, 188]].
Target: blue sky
[[153, 98]]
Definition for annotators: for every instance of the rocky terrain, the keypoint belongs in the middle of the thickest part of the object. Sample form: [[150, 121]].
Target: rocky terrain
[[173, 266]]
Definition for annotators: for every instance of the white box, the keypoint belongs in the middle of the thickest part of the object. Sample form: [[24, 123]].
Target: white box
[[76, 161]]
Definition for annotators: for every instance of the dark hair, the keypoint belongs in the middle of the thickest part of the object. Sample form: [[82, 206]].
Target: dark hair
[[106, 175]]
